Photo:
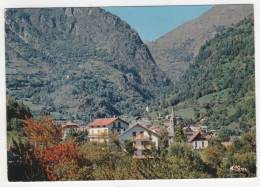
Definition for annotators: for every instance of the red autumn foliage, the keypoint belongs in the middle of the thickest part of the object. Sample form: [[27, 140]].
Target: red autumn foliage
[[42, 133], [45, 137], [58, 154], [60, 160]]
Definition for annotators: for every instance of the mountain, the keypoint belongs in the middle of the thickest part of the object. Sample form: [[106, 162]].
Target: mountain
[[76, 63], [174, 51], [219, 86]]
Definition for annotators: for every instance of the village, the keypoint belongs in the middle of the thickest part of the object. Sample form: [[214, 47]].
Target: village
[[129, 92], [142, 133]]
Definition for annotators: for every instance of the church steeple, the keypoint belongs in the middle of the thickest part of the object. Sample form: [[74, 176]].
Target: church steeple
[[173, 121]]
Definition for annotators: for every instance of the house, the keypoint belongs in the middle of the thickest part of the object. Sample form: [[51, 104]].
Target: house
[[68, 128], [198, 140], [190, 130], [98, 129], [142, 139], [83, 128]]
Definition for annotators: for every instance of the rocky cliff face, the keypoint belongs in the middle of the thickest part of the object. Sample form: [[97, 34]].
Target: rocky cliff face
[[174, 51], [76, 63]]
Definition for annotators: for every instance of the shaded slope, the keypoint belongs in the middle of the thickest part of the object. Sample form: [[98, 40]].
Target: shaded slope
[[76, 63]]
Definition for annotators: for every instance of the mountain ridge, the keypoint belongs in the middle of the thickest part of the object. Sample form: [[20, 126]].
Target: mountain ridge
[[79, 63], [74, 61], [174, 51]]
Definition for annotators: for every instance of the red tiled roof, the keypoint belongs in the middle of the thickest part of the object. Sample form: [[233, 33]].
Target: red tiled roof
[[102, 122]]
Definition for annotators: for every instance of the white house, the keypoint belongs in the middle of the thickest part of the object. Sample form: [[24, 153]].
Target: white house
[[198, 140], [141, 137], [189, 131], [98, 129]]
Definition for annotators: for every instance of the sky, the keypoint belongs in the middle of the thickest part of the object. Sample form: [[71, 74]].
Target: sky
[[153, 22]]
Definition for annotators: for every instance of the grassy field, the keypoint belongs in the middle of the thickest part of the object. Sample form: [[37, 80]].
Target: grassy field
[[187, 108]]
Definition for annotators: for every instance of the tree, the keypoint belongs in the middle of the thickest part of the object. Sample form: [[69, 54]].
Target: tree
[[63, 162], [22, 163], [129, 147], [42, 133], [196, 113], [214, 155], [163, 141], [109, 162], [181, 164], [246, 160], [178, 134], [16, 109], [16, 113], [77, 136], [60, 160]]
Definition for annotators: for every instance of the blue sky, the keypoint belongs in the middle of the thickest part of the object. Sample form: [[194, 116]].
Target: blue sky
[[153, 22]]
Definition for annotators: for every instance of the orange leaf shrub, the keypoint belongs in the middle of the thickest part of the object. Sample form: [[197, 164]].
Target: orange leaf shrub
[[60, 160], [61, 154], [42, 133]]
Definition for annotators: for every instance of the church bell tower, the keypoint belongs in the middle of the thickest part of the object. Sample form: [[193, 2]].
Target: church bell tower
[[173, 122]]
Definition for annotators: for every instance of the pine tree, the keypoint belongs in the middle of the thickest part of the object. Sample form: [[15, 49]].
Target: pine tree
[[179, 135]]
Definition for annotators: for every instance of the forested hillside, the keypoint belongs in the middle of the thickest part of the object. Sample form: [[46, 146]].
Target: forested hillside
[[17, 112], [220, 84], [174, 51], [78, 63]]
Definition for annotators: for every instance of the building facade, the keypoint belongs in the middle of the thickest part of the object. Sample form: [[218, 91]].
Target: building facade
[[198, 141], [142, 139], [99, 129]]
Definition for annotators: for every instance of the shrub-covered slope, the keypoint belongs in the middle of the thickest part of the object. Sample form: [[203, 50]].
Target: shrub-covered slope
[[222, 79], [76, 63]]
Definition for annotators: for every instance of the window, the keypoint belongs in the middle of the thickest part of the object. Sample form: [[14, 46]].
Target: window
[[134, 135], [195, 144], [202, 143], [119, 125]]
